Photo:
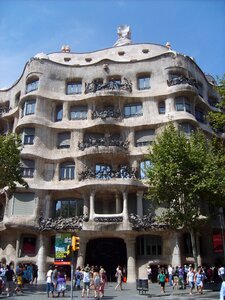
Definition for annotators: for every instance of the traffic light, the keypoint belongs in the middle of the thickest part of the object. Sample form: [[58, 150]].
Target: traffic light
[[75, 243], [69, 250]]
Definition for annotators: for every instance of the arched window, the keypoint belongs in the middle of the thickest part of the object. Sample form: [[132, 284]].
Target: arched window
[[28, 167], [29, 107], [183, 104], [162, 107], [144, 137], [58, 113], [143, 82], [66, 171], [63, 140], [28, 136], [32, 84], [78, 113]]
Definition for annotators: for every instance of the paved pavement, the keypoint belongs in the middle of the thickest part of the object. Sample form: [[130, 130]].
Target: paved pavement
[[129, 292]]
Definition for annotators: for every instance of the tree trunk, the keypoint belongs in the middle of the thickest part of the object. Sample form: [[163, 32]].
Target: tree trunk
[[194, 246]]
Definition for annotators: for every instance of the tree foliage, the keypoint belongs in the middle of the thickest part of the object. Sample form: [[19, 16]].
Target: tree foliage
[[186, 173], [217, 118], [10, 166]]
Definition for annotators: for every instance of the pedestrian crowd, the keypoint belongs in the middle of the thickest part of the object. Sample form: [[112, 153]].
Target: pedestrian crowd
[[13, 281], [182, 277]]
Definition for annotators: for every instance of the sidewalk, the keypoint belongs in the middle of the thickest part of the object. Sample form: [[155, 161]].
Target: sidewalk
[[129, 292]]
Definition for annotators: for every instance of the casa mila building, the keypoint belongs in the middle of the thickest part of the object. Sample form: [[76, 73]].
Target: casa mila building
[[87, 121]]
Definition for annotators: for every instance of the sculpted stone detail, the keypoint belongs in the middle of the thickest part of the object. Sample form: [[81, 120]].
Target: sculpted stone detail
[[146, 222], [107, 173], [113, 85], [111, 140], [61, 223], [109, 219], [124, 34], [108, 112], [182, 80]]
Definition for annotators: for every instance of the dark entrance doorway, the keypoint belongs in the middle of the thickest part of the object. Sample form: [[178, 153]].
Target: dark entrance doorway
[[108, 253]]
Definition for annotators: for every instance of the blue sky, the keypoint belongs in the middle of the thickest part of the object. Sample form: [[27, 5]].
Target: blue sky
[[193, 27]]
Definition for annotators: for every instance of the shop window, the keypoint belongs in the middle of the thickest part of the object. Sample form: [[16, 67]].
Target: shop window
[[29, 245], [149, 245]]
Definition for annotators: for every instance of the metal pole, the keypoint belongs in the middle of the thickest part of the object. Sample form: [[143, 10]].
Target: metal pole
[[72, 273]]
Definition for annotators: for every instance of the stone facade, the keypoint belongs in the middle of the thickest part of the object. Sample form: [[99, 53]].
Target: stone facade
[[87, 121]]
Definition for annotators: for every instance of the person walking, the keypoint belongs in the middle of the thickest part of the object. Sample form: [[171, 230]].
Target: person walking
[[162, 280], [149, 273], [96, 281], [86, 281], [191, 279], [49, 282], [9, 274], [170, 273], [61, 282], [199, 277], [119, 277], [103, 282]]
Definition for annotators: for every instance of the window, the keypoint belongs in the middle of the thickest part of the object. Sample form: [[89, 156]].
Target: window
[[67, 171], [132, 110], [103, 171], [74, 87], [183, 104], [23, 204], [200, 89], [143, 82], [199, 115], [2, 209], [162, 107], [28, 136], [213, 101], [28, 245], [149, 245], [63, 140], [144, 137], [32, 85], [28, 168], [68, 207], [78, 113], [144, 165], [58, 113], [29, 107], [187, 128], [17, 98]]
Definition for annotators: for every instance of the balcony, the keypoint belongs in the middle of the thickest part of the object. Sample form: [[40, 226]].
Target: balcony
[[60, 223], [108, 112], [182, 80], [106, 173], [111, 140], [111, 85]]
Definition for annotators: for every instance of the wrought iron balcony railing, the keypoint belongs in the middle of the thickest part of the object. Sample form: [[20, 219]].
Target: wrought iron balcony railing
[[182, 80], [125, 172], [113, 85], [146, 222], [61, 223], [111, 140], [108, 112]]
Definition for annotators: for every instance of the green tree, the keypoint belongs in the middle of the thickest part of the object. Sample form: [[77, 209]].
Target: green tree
[[186, 172], [217, 118], [10, 166]]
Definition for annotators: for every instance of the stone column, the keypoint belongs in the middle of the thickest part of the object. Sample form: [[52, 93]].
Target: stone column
[[140, 203], [41, 257], [86, 205], [175, 249], [118, 204], [131, 261], [17, 246], [65, 111], [92, 205], [81, 253], [125, 206]]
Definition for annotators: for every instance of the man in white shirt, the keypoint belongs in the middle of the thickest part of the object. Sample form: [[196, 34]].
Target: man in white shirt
[[221, 272], [49, 281]]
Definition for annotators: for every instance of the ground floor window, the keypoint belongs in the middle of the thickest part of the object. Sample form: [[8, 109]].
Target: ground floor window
[[149, 245], [28, 245]]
